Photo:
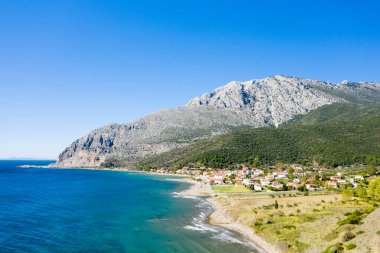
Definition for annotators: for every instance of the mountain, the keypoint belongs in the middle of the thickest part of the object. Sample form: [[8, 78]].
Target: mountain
[[332, 135], [257, 103]]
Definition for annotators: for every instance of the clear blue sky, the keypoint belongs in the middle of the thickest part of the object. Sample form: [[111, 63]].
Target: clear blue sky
[[70, 66]]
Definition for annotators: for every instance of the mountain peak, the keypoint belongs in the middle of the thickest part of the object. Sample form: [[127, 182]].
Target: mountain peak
[[255, 103], [256, 92]]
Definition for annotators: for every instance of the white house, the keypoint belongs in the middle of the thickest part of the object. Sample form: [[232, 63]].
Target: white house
[[247, 181], [257, 187]]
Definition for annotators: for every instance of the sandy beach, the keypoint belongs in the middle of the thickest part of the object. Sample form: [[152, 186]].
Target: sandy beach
[[219, 217]]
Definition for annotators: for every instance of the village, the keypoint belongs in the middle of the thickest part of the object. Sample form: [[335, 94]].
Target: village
[[274, 178]]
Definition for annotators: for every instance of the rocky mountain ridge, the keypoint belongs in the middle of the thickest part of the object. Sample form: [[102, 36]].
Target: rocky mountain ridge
[[258, 103]]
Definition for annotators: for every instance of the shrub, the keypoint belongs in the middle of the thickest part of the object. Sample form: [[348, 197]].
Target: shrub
[[360, 232], [361, 193], [348, 236], [353, 218], [300, 246], [336, 248], [331, 236], [288, 226], [267, 207], [347, 194], [276, 204], [259, 222], [374, 189], [350, 246]]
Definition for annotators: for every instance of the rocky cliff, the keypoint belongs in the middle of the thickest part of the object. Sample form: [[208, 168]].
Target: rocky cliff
[[257, 103]]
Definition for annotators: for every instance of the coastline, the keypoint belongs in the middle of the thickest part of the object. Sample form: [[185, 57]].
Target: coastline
[[27, 166], [220, 217]]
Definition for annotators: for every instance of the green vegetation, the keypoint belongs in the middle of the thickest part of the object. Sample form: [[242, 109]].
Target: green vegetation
[[374, 189], [350, 246], [286, 229], [336, 248], [348, 236], [333, 135], [229, 188], [360, 232], [352, 218], [111, 163], [294, 222]]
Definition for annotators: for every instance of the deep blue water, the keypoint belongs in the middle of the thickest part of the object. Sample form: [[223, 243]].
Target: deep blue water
[[58, 210]]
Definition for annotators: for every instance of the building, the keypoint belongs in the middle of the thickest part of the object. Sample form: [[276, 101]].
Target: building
[[331, 184], [257, 187]]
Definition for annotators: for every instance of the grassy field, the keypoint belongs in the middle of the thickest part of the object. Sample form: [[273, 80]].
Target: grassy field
[[229, 189], [297, 223]]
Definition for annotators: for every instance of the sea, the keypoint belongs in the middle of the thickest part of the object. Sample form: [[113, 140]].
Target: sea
[[77, 210]]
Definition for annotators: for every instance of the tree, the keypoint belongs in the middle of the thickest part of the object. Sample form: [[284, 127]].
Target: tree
[[347, 194], [374, 189], [361, 192], [372, 170], [302, 188]]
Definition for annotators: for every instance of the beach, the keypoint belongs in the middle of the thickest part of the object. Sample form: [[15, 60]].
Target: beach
[[220, 217]]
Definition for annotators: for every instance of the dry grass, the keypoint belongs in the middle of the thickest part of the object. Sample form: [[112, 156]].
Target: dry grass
[[230, 188], [369, 239], [300, 224]]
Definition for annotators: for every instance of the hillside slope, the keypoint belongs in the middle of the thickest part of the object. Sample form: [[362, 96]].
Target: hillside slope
[[258, 103], [337, 134]]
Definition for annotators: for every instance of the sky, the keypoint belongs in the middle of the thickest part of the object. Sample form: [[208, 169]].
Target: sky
[[69, 66]]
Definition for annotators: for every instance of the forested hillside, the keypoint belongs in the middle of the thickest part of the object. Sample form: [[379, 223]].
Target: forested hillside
[[338, 134]]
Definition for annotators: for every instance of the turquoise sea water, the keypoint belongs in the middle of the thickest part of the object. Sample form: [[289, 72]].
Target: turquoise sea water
[[57, 210]]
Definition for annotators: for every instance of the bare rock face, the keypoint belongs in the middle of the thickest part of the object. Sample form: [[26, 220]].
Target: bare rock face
[[257, 103], [158, 132]]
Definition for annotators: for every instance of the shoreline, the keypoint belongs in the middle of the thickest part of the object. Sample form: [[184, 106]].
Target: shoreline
[[219, 216], [27, 166]]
